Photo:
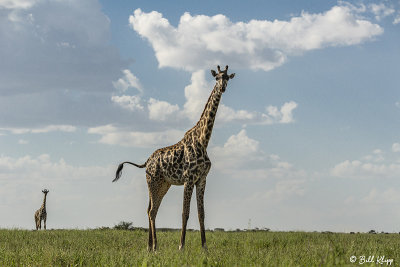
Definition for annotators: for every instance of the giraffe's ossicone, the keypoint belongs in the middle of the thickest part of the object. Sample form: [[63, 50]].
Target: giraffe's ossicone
[[185, 163]]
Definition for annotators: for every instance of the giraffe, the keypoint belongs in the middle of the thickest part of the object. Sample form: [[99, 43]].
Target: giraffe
[[41, 213], [185, 163]]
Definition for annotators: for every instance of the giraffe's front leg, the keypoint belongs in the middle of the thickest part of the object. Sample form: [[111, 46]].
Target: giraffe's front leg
[[44, 222], [200, 188], [187, 195]]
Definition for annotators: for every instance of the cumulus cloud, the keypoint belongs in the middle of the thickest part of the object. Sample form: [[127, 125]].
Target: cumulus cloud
[[396, 147], [128, 102], [397, 19], [282, 115], [374, 165], [129, 80], [281, 191], [388, 196], [161, 110], [242, 158], [196, 94], [112, 135], [23, 142], [201, 41]]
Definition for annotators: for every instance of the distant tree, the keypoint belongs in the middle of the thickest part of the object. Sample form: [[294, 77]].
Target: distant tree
[[371, 232], [124, 226]]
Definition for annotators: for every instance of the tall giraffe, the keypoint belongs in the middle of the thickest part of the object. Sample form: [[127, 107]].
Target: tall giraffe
[[41, 213], [185, 163]]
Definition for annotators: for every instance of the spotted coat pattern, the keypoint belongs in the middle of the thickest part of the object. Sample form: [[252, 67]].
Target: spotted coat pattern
[[41, 214], [185, 163]]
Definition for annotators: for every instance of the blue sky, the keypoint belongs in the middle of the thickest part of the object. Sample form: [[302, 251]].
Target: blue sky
[[306, 137]]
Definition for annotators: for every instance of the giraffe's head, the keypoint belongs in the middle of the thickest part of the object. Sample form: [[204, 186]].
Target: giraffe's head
[[45, 191], [222, 77]]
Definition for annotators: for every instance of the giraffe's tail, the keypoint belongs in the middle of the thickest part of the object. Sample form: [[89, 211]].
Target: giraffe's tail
[[119, 169]]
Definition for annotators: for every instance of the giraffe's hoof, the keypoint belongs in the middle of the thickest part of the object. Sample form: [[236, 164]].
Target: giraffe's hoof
[[205, 248], [181, 247]]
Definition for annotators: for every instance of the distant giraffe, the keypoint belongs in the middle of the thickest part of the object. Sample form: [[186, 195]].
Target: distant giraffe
[[185, 163], [41, 213]]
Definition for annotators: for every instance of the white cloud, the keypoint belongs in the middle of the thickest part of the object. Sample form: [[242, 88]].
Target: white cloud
[[112, 135], [362, 170], [128, 81], [131, 103], [242, 158], [388, 196], [397, 19], [196, 95], [161, 110], [227, 114], [283, 190], [43, 167], [381, 10], [23, 142], [376, 156], [202, 41], [396, 147], [237, 147], [46, 129], [17, 4], [284, 115]]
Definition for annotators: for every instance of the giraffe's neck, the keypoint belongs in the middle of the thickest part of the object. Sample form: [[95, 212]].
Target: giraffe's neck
[[44, 203], [206, 123]]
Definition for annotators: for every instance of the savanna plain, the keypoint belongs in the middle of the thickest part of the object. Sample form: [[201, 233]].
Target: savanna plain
[[111, 247]]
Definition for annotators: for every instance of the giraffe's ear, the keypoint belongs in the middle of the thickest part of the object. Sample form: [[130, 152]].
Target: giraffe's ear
[[213, 73], [231, 76]]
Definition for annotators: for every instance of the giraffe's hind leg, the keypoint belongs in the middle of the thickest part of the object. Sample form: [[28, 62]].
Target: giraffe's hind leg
[[36, 223], [157, 190], [150, 243]]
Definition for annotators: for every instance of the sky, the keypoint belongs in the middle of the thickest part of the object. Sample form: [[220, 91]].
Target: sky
[[307, 135]]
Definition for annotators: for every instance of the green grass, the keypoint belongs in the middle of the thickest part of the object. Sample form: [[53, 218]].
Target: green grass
[[128, 248]]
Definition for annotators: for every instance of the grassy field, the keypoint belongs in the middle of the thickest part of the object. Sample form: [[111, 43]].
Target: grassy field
[[128, 248]]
